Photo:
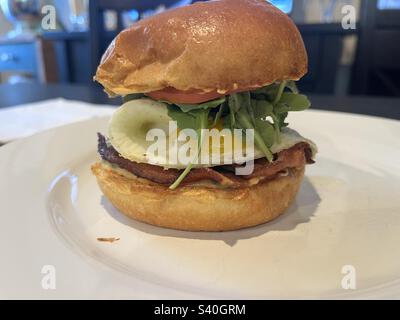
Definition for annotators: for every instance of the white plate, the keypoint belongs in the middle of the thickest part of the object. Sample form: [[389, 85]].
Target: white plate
[[347, 213]]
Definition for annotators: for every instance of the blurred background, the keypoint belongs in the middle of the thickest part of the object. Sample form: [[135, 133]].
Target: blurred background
[[359, 59]]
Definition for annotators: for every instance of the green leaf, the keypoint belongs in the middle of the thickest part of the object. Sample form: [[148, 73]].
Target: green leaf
[[244, 121], [262, 108], [228, 122], [201, 117], [203, 106], [184, 120], [281, 89], [295, 102], [218, 114], [243, 118], [133, 96], [270, 92], [265, 93], [242, 101], [281, 108], [266, 130], [246, 103], [281, 119], [234, 106], [198, 121], [246, 110], [234, 102], [291, 85]]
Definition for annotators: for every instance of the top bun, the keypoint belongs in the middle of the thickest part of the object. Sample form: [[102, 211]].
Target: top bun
[[221, 45]]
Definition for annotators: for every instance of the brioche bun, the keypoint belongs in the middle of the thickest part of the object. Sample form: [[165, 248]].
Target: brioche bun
[[196, 208], [222, 46]]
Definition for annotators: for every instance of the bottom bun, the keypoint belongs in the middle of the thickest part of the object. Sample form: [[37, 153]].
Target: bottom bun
[[198, 208]]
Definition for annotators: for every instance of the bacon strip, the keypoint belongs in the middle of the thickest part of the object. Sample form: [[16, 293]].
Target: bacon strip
[[294, 157]]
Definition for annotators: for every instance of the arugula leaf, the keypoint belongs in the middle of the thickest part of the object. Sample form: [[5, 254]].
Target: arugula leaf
[[234, 106], [295, 102], [271, 91], [281, 108], [245, 123], [186, 114], [279, 92], [281, 120], [266, 130], [267, 92], [218, 115], [133, 96], [199, 122], [228, 122], [262, 108], [203, 106], [246, 103], [185, 120], [193, 117], [244, 120], [291, 85]]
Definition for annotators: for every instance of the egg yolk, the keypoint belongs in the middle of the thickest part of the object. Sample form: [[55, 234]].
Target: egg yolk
[[220, 127]]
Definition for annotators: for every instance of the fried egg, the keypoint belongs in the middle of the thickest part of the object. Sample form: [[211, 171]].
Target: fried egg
[[142, 131]]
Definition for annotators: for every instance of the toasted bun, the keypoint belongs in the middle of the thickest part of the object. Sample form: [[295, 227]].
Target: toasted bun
[[198, 208], [221, 45]]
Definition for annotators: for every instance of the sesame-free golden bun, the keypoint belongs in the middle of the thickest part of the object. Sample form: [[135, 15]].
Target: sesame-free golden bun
[[221, 45], [198, 208]]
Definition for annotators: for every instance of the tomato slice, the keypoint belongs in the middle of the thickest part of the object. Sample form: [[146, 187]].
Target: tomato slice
[[190, 97]]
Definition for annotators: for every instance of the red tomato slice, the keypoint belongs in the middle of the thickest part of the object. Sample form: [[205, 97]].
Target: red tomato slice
[[176, 96], [189, 97]]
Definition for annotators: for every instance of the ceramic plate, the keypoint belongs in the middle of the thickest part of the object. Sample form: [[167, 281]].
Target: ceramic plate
[[340, 239]]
